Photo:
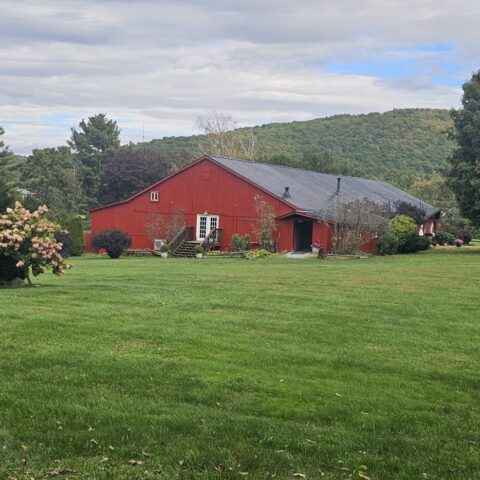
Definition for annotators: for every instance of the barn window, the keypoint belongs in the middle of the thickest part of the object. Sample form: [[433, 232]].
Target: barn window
[[154, 196]]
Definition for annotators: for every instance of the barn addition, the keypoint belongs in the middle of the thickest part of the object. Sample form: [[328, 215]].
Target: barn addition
[[216, 197]]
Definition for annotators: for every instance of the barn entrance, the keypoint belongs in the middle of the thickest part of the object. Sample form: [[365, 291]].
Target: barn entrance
[[302, 234]]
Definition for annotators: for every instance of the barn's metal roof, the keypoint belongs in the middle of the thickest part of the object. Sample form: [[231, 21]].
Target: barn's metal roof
[[312, 192]]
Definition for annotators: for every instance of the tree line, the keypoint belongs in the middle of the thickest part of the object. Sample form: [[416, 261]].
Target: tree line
[[91, 170], [433, 154]]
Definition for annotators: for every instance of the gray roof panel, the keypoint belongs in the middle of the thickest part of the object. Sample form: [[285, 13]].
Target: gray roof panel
[[313, 191]]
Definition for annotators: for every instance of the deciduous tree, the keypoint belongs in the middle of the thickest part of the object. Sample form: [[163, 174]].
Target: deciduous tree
[[7, 196], [51, 174], [224, 138], [464, 173], [130, 170]]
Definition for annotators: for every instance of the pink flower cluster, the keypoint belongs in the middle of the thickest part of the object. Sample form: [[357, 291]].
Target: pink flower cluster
[[29, 238]]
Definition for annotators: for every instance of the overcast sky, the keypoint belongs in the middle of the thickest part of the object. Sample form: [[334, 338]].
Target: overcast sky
[[162, 63]]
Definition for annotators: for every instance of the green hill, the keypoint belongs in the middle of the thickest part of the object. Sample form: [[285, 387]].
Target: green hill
[[397, 146]]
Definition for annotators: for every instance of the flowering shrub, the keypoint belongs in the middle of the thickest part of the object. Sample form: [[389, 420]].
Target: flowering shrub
[[458, 242], [27, 240]]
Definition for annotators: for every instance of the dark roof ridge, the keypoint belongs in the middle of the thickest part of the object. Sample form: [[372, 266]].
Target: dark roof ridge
[[293, 168]]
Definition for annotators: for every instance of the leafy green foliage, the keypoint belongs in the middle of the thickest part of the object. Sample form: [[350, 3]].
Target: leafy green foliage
[[401, 236], [433, 190], [51, 174], [67, 243], [132, 169], [462, 233], [464, 173], [115, 242], [400, 146], [239, 243], [7, 197], [74, 225], [387, 243], [413, 243], [258, 253], [402, 227], [444, 238], [266, 227]]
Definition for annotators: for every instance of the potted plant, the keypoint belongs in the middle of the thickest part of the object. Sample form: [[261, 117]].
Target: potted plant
[[164, 251], [458, 242], [316, 246], [199, 251]]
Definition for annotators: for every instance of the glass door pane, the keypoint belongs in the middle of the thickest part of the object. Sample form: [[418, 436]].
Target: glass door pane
[[202, 228]]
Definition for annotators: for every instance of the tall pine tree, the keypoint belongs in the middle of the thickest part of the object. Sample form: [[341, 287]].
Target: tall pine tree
[[94, 143]]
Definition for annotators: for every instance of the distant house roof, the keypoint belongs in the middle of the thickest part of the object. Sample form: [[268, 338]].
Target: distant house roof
[[311, 192]]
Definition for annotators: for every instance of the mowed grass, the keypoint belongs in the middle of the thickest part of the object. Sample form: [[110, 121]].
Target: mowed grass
[[227, 369]]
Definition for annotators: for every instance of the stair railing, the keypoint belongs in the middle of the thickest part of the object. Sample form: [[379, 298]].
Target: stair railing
[[213, 239], [185, 234]]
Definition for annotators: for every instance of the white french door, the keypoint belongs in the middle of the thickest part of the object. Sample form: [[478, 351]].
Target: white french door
[[205, 224]]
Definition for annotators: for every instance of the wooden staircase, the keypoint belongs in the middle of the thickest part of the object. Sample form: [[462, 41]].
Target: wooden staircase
[[183, 244], [186, 249]]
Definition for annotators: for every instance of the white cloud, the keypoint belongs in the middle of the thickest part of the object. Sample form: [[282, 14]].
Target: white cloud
[[162, 63]]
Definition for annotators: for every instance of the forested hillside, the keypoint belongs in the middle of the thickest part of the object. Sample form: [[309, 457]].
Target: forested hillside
[[396, 146]]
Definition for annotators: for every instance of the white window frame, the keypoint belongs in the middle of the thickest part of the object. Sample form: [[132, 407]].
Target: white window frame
[[208, 225], [154, 196]]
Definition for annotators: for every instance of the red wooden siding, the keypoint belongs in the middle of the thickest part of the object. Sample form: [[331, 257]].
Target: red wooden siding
[[206, 187], [203, 187]]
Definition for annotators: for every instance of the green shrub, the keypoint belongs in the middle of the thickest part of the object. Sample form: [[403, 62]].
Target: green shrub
[[387, 243], [258, 253], [75, 230], [164, 248], [67, 243], [402, 226], [443, 238], [402, 237], [198, 249], [115, 242], [218, 253], [462, 233], [414, 243], [239, 243]]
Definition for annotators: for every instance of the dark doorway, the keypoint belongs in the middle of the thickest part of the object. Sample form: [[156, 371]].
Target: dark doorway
[[302, 235]]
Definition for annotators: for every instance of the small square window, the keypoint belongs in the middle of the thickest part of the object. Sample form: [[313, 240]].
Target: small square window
[[154, 196]]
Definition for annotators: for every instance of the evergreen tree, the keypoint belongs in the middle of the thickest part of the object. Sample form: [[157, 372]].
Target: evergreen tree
[[464, 173], [95, 142]]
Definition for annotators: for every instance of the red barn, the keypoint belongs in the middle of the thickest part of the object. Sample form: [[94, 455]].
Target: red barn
[[216, 195]]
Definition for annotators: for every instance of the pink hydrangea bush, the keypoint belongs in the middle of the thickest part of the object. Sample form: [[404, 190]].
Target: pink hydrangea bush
[[28, 240]]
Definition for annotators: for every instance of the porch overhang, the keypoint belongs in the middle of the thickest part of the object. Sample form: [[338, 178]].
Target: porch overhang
[[298, 214]]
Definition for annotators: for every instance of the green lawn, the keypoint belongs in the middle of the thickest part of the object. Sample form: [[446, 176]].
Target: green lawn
[[225, 368]]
